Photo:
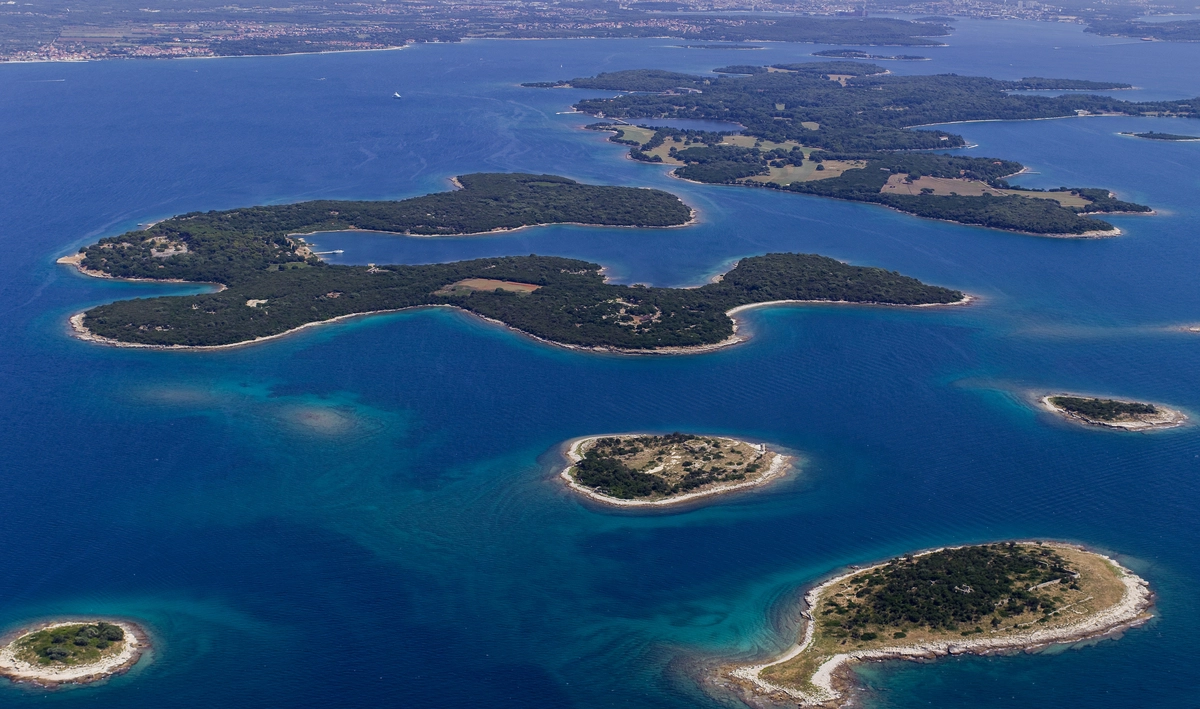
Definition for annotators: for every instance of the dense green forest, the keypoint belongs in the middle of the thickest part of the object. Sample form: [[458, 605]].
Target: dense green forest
[[1101, 409], [573, 304], [229, 245], [869, 116], [949, 588], [610, 476]]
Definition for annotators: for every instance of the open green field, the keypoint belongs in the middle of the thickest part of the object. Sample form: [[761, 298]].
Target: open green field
[[470, 285], [900, 184], [808, 172]]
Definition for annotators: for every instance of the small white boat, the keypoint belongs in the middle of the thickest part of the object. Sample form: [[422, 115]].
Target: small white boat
[[396, 95]]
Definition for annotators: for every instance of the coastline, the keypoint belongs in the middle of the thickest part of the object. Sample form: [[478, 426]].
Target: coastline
[[137, 642], [832, 679], [779, 464], [80, 331], [1170, 418]]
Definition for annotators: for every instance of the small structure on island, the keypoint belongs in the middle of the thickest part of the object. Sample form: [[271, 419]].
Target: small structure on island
[[645, 469], [72, 652], [975, 599]]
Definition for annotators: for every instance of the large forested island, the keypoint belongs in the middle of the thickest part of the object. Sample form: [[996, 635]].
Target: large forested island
[[72, 652], [632, 470], [847, 130], [272, 283], [976, 599]]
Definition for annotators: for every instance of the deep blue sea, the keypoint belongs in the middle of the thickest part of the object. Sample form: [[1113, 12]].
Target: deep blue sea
[[366, 514]]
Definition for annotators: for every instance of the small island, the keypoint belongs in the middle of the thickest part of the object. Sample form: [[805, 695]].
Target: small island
[[642, 469], [857, 54], [72, 652], [991, 598], [1113, 413], [1163, 136]]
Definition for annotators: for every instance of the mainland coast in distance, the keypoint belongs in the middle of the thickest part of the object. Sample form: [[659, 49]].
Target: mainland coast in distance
[[1076, 595]]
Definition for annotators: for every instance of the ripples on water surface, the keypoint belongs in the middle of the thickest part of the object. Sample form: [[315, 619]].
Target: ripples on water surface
[[366, 513]]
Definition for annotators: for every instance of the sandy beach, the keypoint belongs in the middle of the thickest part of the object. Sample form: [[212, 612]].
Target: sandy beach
[[135, 644], [779, 464], [831, 679]]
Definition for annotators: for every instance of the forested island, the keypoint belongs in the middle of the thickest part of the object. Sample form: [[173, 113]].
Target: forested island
[[847, 130], [560, 300], [634, 470], [857, 54], [72, 652], [975, 599], [1151, 135], [1113, 413]]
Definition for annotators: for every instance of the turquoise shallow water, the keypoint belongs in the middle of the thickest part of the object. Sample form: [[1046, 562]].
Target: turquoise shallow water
[[366, 513]]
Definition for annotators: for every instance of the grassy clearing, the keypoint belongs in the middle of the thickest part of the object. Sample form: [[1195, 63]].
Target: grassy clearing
[[470, 285], [900, 184], [808, 172], [749, 141]]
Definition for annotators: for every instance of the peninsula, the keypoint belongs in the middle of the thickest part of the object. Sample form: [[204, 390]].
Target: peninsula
[[271, 283], [991, 598], [850, 130], [648, 470], [72, 652], [1112, 413]]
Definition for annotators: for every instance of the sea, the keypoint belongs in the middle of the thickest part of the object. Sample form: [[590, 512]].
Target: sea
[[367, 514]]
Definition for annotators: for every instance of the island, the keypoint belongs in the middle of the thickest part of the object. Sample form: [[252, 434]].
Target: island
[[850, 130], [856, 54], [989, 598], [72, 652], [632, 470], [1171, 137], [270, 283], [1113, 413]]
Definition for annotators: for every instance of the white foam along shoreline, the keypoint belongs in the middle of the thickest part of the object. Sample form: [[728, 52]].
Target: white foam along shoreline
[[136, 642], [1128, 612], [1168, 418], [779, 464]]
